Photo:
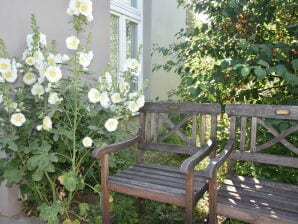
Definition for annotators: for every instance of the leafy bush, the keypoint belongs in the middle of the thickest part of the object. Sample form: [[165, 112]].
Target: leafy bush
[[246, 51]]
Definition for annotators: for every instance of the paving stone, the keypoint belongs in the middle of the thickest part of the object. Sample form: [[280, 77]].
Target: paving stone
[[19, 220]]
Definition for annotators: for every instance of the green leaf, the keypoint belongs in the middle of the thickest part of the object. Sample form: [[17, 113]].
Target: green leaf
[[13, 175], [84, 208], [70, 181], [260, 73], [295, 64], [245, 71], [50, 213], [68, 221], [41, 163], [281, 69], [13, 146], [263, 63]]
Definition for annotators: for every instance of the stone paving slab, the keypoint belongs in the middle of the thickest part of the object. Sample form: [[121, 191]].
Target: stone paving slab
[[19, 220]]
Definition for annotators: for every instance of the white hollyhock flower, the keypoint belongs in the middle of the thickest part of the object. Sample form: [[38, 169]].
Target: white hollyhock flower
[[51, 60], [37, 90], [53, 98], [29, 78], [86, 9], [38, 56], [17, 119], [10, 76], [30, 61], [4, 65], [104, 100], [85, 58], [133, 106], [73, 8], [94, 95], [54, 59], [47, 123], [116, 98], [72, 42], [39, 127], [87, 142], [123, 86], [11, 106], [132, 63], [111, 124], [141, 101], [53, 74]]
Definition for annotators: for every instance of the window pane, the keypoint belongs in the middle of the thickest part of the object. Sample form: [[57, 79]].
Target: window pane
[[132, 3], [132, 46], [131, 39], [113, 66]]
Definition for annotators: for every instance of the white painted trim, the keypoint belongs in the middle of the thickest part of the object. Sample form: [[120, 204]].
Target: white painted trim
[[131, 12], [122, 42]]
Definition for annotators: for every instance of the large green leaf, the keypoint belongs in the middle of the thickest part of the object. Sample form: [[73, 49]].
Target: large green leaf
[[50, 213], [245, 71], [281, 69], [84, 208], [13, 175], [263, 63], [260, 73], [70, 181], [41, 163]]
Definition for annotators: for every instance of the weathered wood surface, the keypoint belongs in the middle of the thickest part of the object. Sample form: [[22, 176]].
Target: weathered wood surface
[[249, 199], [156, 180], [258, 110], [187, 108], [258, 201]]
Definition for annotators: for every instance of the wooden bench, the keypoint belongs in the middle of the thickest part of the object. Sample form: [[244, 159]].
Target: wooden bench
[[250, 199], [182, 185]]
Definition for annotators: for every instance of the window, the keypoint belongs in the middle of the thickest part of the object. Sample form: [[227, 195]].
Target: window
[[125, 34]]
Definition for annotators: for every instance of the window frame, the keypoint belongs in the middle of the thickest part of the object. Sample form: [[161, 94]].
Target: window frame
[[134, 14]]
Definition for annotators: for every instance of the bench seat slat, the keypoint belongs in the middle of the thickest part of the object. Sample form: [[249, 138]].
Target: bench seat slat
[[239, 198], [141, 174], [289, 190], [164, 170], [156, 179]]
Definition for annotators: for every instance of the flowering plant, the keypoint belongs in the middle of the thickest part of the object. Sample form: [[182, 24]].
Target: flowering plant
[[50, 120]]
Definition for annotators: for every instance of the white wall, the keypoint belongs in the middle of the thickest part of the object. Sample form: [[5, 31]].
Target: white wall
[[166, 21], [54, 22]]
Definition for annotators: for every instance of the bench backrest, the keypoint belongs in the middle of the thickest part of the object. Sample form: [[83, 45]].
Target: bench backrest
[[191, 123], [257, 129]]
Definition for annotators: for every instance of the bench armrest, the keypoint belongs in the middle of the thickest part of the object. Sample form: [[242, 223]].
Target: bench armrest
[[189, 164], [219, 160], [99, 152]]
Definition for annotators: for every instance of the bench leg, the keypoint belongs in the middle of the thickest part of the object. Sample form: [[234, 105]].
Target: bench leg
[[105, 197], [189, 198], [212, 219], [188, 214]]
